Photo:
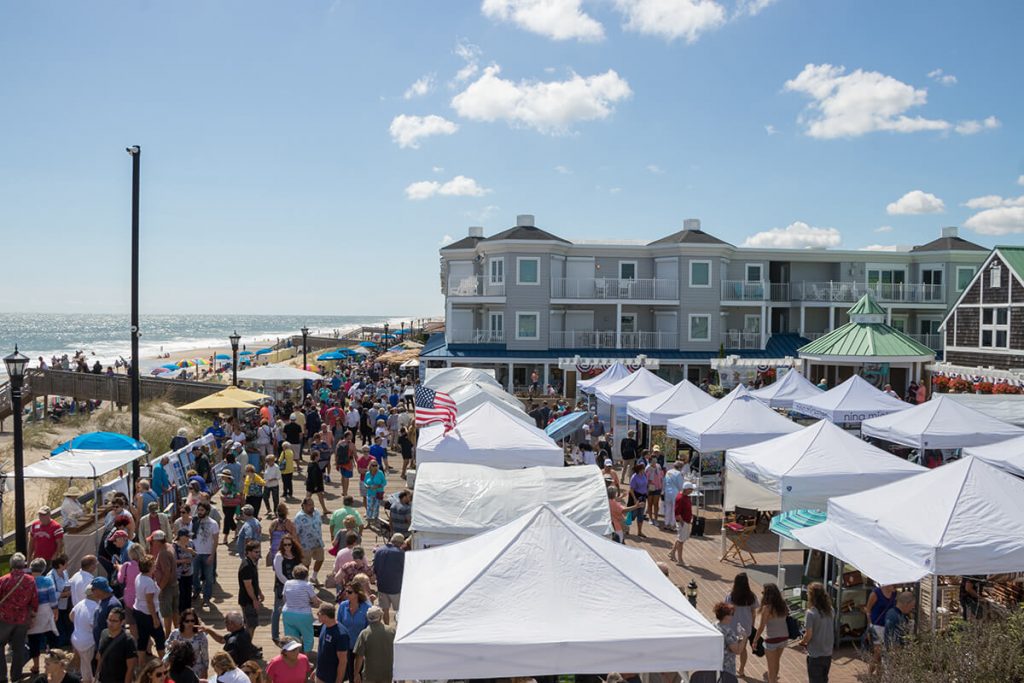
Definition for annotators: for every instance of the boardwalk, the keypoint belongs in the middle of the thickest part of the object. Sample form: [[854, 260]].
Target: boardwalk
[[714, 579]]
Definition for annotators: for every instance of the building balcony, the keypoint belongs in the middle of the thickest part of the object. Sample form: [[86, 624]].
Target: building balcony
[[474, 285], [457, 336], [650, 289], [741, 340], [850, 292], [598, 339], [932, 341], [757, 291]]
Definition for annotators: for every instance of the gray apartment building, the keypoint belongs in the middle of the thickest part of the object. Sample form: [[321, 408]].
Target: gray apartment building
[[525, 300]]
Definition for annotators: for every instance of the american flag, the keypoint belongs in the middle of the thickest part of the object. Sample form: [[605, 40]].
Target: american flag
[[434, 406]]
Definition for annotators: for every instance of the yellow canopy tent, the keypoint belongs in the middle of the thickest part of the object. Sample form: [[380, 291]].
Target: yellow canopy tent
[[217, 402], [242, 394]]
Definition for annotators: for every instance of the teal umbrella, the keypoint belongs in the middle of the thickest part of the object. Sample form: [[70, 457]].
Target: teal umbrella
[[784, 524]]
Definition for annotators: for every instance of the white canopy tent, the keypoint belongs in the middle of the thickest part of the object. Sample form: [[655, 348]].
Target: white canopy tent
[[1006, 455], [855, 400], [1006, 407], [446, 379], [81, 464], [487, 435], [939, 423], [641, 384], [792, 387], [966, 517], [804, 469], [277, 373], [455, 501], [612, 373], [682, 399], [736, 420], [531, 598], [469, 396]]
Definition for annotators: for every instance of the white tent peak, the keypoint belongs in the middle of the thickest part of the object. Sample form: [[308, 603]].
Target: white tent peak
[[855, 400], [446, 379], [1006, 455], [682, 399], [736, 420], [940, 423], [612, 373], [792, 387], [641, 384]]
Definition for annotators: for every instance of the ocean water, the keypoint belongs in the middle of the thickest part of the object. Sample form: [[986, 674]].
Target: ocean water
[[107, 337]]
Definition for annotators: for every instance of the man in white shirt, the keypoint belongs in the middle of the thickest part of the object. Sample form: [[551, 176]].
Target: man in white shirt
[[205, 543], [79, 583], [81, 635], [352, 418]]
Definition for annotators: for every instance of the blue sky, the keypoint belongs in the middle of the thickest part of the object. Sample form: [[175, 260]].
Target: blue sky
[[290, 166]]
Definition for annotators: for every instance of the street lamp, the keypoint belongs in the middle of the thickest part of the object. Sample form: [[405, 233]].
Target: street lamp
[[16, 363], [305, 337], [235, 338], [691, 592], [133, 371], [385, 337]]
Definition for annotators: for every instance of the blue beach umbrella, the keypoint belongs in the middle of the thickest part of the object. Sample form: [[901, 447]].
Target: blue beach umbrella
[[245, 353], [222, 356], [388, 336], [100, 441], [368, 345], [566, 425], [170, 366], [331, 355], [263, 352]]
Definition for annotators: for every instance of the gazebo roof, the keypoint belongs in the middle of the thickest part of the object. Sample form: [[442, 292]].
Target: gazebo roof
[[867, 335]]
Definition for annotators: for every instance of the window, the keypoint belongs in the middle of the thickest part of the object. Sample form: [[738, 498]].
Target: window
[[995, 327], [899, 323], [496, 326], [995, 277], [931, 278], [752, 323], [964, 275], [627, 270], [527, 271], [700, 273], [753, 271], [700, 327], [496, 270], [628, 323], [527, 326]]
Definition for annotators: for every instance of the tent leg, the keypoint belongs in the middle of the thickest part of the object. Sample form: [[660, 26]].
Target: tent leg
[[934, 601], [721, 536], [781, 574], [95, 501]]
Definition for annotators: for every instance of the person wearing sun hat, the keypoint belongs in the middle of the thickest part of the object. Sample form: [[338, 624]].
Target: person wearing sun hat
[[289, 666]]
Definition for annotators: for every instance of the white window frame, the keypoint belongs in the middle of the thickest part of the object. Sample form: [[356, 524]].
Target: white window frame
[[994, 327], [491, 317], [748, 316], [760, 272], [536, 316], [689, 327], [490, 270], [974, 271], [881, 268], [995, 277], [633, 316], [707, 262], [903, 318], [929, 320], [519, 260], [636, 270]]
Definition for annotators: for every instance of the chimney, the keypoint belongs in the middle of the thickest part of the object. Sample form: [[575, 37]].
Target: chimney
[[951, 231], [524, 219], [476, 231], [691, 224]]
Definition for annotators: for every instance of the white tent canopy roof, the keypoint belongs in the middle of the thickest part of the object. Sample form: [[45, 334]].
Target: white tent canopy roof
[[447, 379], [487, 435], [939, 423], [640, 384], [682, 399], [737, 420], [277, 373], [81, 464], [456, 500], [792, 387], [855, 400], [612, 373], [1006, 455], [469, 396], [1006, 407], [804, 469], [966, 517], [532, 597]]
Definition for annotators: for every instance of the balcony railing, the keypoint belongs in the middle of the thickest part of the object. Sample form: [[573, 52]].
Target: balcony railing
[[741, 340], [932, 341], [614, 288], [457, 336], [598, 339], [811, 336], [742, 290], [474, 285], [849, 292]]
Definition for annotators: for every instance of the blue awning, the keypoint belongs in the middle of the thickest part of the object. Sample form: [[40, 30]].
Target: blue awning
[[101, 441]]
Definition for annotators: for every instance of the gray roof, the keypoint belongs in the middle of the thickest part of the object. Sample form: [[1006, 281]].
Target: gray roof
[[464, 243], [950, 244], [526, 232], [690, 237]]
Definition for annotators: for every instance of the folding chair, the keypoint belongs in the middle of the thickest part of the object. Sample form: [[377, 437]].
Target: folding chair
[[738, 532]]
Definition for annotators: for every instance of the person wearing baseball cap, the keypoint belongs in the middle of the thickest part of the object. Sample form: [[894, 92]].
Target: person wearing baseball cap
[[166, 576], [683, 509], [103, 595], [290, 665]]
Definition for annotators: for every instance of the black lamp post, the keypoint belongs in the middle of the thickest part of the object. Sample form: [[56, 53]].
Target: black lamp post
[[133, 371], [385, 338], [235, 338], [305, 337], [16, 363], [691, 592]]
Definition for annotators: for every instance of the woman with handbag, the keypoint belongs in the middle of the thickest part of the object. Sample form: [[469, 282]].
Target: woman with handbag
[[773, 628], [375, 483], [230, 499]]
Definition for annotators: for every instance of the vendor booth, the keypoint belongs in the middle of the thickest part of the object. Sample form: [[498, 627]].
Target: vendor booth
[[612, 373], [469, 396], [736, 420], [487, 435], [446, 379], [852, 402], [682, 399], [791, 387], [940, 423], [1006, 455], [532, 598], [641, 384], [455, 501]]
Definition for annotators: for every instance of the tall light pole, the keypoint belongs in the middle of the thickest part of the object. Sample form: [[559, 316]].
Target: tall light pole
[[385, 338], [305, 336], [235, 338], [133, 370], [16, 363]]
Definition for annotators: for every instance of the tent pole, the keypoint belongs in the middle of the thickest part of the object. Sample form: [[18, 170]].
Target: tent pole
[[781, 574], [934, 600]]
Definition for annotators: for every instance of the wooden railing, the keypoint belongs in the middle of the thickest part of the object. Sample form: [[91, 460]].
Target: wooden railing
[[115, 388]]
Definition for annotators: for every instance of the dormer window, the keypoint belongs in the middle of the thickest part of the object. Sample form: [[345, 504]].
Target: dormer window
[[995, 277]]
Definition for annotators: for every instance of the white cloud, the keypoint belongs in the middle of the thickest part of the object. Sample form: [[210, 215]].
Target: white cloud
[[915, 202], [407, 130], [556, 19], [970, 127], [1020, 180], [459, 186], [420, 87], [564, 170], [655, 169], [796, 235], [549, 107], [883, 247], [671, 19], [770, 129], [447, 239], [991, 201], [1004, 220], [437, 169], [470, 54], [941, 77], [884, 228], [752, 7], [850, 105], [614, 190]]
